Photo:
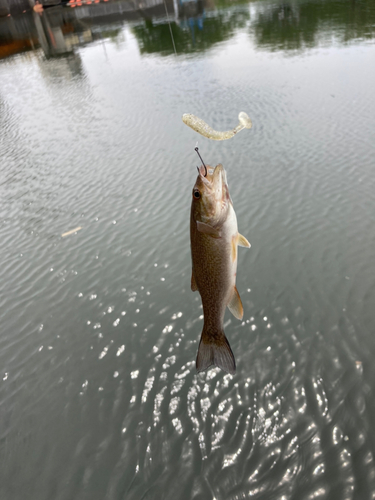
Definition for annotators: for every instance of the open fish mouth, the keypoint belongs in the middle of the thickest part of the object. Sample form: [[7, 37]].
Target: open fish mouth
[[213, 173], [214, 181], [219, 180], [216, 176]]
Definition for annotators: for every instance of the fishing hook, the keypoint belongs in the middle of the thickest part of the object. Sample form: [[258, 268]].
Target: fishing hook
[[205, 168]]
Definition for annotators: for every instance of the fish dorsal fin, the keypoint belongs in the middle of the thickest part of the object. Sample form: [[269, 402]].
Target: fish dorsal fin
[[242, 241], [194, 287], [206, 229], [235, 305]]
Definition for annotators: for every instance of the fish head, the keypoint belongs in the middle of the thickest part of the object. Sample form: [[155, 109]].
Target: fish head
[[211, 197]]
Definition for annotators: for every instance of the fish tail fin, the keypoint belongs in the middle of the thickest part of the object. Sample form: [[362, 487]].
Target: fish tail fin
[[214, 350]]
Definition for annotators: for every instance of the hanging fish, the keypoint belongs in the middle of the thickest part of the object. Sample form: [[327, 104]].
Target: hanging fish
[[214, 240]]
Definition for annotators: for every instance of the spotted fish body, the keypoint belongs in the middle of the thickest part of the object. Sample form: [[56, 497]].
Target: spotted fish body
[[214, 240]]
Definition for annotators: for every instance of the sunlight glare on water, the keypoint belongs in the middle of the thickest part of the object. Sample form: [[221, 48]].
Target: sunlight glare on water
[[99, 397]]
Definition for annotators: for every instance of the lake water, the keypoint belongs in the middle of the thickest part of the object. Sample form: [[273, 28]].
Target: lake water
[[99, 397]]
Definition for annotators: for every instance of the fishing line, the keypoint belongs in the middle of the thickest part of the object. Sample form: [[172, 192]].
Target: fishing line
[[170, 28]]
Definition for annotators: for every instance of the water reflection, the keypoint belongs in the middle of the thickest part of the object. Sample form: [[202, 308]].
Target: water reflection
[[57, 34], [297, 25], [191, 34], [100, 328], [195, 25]]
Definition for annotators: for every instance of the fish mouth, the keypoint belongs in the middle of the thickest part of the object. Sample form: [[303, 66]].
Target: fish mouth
[[219, 180], [219, 175], [215, 181], [215, 175], [205, 174]]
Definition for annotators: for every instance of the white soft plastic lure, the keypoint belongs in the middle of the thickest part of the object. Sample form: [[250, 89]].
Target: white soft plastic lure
[[202, 128]]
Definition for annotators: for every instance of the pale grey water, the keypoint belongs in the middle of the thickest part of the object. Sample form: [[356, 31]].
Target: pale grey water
[[99, 398]]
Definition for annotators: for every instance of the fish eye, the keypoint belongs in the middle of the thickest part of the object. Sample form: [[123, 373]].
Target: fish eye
[[196, 194]]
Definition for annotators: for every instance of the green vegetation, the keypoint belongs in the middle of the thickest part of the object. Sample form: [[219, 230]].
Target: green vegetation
[[188, 36], [295, 25]]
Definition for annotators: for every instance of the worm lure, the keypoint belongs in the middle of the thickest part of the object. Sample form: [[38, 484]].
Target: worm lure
[[204, 129]]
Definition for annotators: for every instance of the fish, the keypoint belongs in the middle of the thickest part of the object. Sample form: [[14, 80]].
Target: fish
[[214, 240]]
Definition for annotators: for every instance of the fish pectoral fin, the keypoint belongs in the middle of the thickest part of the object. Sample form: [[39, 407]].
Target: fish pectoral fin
[[194, 287], [242, 241], [235, 305], [206, 229]]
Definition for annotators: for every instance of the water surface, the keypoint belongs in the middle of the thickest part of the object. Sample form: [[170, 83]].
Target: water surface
[[99, 398]]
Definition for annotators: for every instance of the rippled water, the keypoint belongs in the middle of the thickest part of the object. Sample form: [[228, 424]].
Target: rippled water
[[99, 398]]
